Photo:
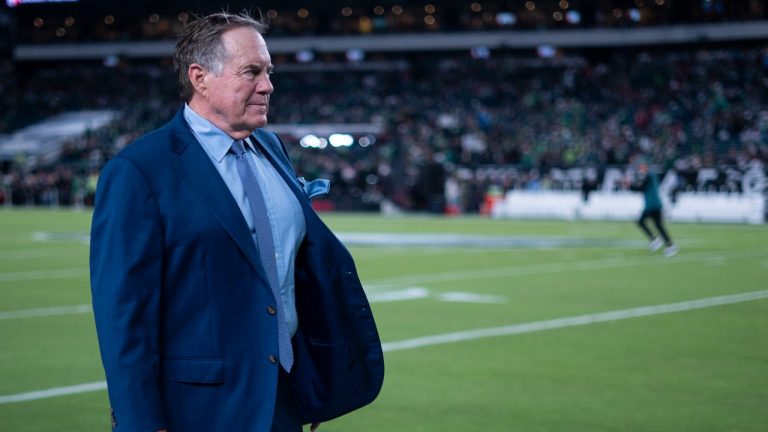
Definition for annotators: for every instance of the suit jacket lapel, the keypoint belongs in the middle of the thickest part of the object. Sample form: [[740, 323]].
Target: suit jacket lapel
[[279, 162], [195, 167]]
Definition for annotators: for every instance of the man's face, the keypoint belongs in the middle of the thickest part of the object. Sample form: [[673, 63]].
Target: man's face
[[237, 99]]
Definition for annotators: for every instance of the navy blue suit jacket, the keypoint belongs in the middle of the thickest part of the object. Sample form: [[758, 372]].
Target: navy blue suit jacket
[[181, 299]]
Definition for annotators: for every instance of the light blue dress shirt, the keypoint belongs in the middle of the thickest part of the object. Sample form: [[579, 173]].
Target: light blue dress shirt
[[285, 213]]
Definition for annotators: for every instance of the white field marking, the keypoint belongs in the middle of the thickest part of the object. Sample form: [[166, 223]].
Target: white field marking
[[375, 294], [49, 311], [467, 297], [556, 267], [407, 294], [469, 335], [572, 321], [413, 293], [72, 236], [53, 392], [43, 274], [36, 253]]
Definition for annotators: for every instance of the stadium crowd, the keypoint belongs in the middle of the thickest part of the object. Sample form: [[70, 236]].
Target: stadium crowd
[[144, 20], [452, 125]]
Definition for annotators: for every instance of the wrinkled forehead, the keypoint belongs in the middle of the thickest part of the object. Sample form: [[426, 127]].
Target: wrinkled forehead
[[243, 40]]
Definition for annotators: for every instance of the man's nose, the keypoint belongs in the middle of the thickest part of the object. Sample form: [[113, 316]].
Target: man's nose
[[265, 86]]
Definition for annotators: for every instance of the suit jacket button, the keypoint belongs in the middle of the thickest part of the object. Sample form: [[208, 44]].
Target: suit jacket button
[[272, 359], [271, 310]]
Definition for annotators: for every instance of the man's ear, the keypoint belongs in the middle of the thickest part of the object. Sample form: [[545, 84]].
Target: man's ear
[[197, 74]]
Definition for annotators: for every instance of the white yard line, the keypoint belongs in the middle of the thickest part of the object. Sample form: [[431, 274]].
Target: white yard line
[[468, 297], [40, 253], [376, 290], [469, 335], [555, 267], [573, 321], [412, 293], [42, 312], [43, 274], [53, 392]]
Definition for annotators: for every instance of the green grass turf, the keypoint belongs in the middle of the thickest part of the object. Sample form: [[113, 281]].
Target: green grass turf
[[699, 370]]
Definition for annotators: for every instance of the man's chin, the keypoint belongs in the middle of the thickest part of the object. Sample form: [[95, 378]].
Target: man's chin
[[256, 122]]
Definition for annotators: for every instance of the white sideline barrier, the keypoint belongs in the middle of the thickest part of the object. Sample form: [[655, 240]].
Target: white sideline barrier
[[538, 205], [718, 207], [611, 206], [689, 206]]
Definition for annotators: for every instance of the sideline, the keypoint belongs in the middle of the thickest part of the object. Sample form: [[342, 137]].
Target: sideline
[[419, 342]]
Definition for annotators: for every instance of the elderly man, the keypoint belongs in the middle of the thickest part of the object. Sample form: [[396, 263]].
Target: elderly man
[[222, 302]]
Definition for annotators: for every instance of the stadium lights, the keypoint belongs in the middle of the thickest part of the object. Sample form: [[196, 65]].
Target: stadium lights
[[480, 52], [546, 51], [111, 61], [336, 140], [313, 141], [310, 141], [341, 140], [573, 17], [506, 19], [366, 141], [305, 56], [355, 55]]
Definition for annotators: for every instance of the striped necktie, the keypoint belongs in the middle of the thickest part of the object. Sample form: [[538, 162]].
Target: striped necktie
[[266, 248]]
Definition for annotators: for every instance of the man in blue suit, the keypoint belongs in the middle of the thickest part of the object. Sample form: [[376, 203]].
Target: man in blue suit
[[222, 302]]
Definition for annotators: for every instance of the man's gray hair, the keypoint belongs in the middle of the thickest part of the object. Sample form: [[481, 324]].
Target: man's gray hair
[[200, 42]]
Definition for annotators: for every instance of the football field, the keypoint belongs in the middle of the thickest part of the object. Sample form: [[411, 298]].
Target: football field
[[487, 325]]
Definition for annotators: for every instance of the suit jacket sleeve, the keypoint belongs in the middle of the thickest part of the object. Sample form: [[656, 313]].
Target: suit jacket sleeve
[[126, 278]]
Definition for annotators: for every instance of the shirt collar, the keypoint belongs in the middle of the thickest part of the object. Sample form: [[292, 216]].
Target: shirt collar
[[215, 141]]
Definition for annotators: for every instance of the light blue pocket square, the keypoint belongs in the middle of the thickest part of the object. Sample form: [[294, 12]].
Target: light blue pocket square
[[315, 188]]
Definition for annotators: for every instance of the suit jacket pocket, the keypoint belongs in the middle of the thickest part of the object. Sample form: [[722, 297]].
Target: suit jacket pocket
[[193, 370]]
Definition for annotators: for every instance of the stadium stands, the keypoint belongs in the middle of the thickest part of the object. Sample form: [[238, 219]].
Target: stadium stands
[[142, 20], [476, 119]]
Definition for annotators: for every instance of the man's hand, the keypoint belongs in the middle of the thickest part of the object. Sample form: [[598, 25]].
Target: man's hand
[[314, 427]]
